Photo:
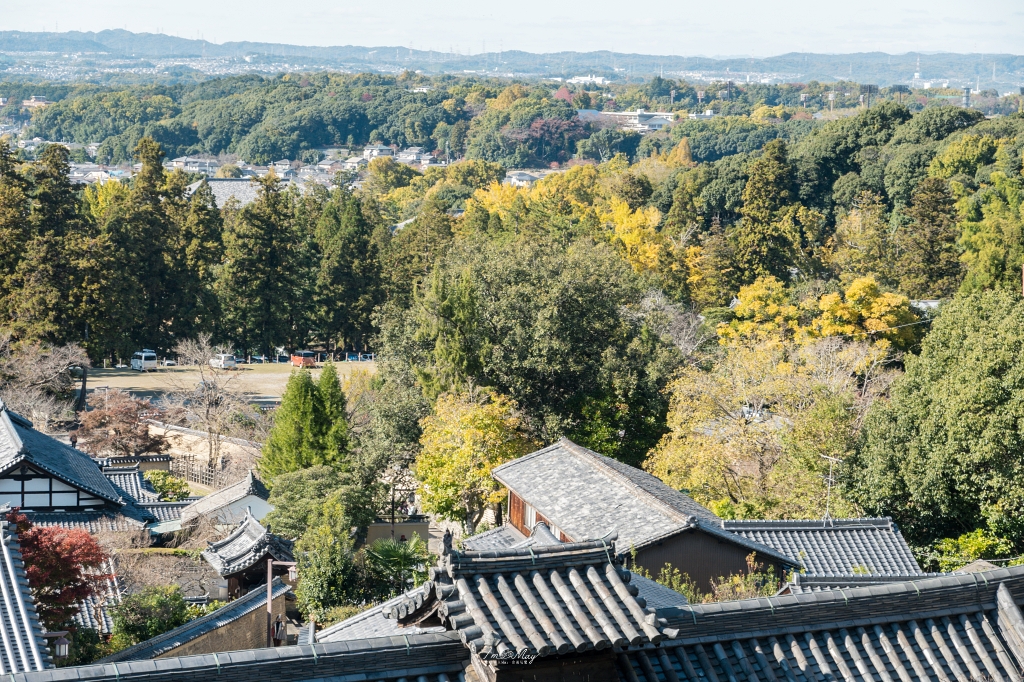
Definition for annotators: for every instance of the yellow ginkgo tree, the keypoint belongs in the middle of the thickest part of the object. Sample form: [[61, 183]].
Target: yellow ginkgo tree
[[463, 440]]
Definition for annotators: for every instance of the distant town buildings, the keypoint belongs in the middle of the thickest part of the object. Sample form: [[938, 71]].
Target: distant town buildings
[[642, 121], [588, 80], [34, 102]]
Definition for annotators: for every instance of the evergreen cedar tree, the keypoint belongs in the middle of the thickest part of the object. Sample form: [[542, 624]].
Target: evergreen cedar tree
[[310, 426], [64, 567]]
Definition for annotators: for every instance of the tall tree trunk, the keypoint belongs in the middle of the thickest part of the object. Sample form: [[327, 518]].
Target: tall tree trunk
[[80, 404]]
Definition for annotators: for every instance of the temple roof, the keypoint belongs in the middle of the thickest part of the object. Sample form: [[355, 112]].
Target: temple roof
[[20, 443], [586, 494], [835, 547], [215, 501], [542, 599], [22, 647], [245, 546]]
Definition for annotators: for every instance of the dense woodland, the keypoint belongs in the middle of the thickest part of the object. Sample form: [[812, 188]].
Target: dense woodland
[[727, 304]]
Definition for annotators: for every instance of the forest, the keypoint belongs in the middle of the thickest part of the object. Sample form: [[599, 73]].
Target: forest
[[782, 317]]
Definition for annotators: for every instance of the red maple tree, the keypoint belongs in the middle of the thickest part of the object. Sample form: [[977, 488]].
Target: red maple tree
[[63, 567]]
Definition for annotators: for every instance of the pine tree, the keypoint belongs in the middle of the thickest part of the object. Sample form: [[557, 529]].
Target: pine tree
[[46, 278], [769, 240]]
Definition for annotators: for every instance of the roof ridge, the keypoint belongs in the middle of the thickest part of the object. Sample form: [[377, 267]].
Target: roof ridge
[[814, 524]]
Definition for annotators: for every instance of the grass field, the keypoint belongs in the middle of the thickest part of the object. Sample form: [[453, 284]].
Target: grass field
[[264, 381]]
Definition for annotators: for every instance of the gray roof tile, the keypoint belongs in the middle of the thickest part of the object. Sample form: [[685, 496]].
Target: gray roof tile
[[243, 547], [210, 504], [23, 648], [592, 494], [20, 442], [835, 547]]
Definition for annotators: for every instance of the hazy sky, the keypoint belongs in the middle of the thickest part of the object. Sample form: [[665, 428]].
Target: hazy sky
[[683, 27]]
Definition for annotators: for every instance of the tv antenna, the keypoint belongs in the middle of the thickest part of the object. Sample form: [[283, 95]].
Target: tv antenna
[[829, 482]]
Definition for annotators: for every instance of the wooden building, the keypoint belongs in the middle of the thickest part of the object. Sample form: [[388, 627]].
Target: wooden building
[[579, 493]]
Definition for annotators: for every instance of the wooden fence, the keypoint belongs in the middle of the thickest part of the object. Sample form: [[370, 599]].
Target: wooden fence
[[198, 472]]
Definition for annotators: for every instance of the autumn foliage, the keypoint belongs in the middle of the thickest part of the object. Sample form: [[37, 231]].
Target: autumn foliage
[[116, 427], [63, 567]]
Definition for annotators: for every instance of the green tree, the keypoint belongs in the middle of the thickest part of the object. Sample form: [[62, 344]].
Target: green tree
[[302, 497], [47, 282], [152, 611], [400, 564], [296, 438], [310, 426], [259, 282], [775, 226], [170, 487], [348, 283], [992, 235], [328, 570], [335, 438], [942, 456], [929, 264]]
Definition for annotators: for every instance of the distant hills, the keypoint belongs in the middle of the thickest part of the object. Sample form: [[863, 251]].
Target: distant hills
[[865, 67]]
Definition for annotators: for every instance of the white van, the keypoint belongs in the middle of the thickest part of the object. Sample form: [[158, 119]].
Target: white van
[[223, 361], [144, 360]]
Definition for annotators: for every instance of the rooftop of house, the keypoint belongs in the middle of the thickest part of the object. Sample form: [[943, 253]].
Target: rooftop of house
[[549, 598], [243, 547], [835, 547], [205, 506], [375, 622], [609, 495], [23, 647], [20, 443], [168, 641], [545, 599]]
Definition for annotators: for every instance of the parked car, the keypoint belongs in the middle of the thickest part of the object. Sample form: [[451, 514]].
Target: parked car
[[223, 361], [144, 360], [170, 363], [303, 358], [259, 359]]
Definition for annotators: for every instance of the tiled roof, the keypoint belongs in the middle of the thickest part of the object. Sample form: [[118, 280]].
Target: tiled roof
[[165, 511], [372, 623], [173, 639], [592, 494], [415, 658], [19, 442], [246, 545], [224, 189], [99, 521], [22, 647], [128, 461], [94, 612], [965, 627], [210, 504], [799, 583], [129, 482], [544, 599], [838, 547], [502, 537]]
